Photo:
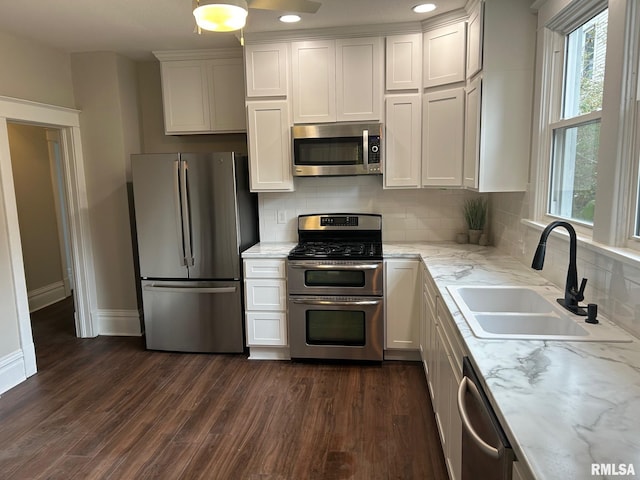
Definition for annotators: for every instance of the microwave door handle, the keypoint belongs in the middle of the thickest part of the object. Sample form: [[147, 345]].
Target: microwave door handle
[[365, 149]]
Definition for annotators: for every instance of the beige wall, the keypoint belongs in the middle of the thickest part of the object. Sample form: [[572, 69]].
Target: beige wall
[[36, 205], [104, 86], [152, 122], [33, 71]]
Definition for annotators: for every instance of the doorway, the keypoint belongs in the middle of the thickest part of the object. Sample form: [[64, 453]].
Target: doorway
[[67, 122], [38, 178]]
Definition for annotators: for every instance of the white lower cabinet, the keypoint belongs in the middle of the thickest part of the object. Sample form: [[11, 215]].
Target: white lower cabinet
[[443, 354], [402, 304], [265, 305]]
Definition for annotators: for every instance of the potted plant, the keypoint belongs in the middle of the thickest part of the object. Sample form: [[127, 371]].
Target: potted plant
[[475, 214]]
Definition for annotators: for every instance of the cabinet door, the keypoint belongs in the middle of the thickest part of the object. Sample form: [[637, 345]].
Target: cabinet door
[[402, 141], [454, 437], [358, 79], [442, 134], [404, 62], [472, 105], [444, 55], [185, 95], [266, 67], [474, 40], [226, 80], [402, 303], [269, 146], [314, 81]]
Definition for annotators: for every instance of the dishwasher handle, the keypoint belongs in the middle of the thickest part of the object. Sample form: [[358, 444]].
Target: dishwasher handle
[[466, 384]]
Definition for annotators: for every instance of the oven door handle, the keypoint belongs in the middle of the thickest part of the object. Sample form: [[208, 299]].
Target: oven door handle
[[466, 384], [337, 303], [312, 266]]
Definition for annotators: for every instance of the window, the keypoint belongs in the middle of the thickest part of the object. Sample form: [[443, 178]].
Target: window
[[576, 134]]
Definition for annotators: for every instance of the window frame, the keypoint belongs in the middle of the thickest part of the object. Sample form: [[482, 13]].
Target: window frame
[[618, 174]]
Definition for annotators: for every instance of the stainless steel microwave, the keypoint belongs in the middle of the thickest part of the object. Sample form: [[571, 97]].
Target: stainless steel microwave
[[337, 149]]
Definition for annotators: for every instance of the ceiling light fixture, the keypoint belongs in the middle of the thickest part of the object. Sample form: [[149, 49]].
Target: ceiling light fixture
[[221, 17], [424, 8], [290, 18]]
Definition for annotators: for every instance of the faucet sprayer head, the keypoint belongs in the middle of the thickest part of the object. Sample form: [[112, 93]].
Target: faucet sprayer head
[[538, 258]]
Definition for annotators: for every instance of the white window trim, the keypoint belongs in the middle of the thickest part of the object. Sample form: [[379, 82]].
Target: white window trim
[[613, 218]]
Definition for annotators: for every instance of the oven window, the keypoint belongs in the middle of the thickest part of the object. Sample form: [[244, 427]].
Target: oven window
[[336, 327], [334, 278], [328, 151]]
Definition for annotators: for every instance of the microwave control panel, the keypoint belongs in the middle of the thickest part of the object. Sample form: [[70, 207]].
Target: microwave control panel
[[374, 153]]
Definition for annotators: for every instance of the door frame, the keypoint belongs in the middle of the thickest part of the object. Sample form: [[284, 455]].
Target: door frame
[[67, 120]]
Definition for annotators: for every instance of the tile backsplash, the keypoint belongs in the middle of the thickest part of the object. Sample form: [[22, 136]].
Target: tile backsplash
[[407, 215], [612, 284]]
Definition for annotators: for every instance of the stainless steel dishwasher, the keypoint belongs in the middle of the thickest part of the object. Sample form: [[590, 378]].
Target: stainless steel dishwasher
[[486, 453]]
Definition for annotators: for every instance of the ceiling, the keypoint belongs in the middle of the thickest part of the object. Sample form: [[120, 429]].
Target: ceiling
[[135, 28]]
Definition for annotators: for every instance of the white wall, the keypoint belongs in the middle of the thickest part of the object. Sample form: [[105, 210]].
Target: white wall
[[407, 215]]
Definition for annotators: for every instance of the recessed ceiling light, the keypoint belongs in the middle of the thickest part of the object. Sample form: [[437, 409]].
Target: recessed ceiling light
[[290, 18], [424, 8]]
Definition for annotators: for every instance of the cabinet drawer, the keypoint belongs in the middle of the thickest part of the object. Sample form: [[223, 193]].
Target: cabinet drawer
[[265, 294], [266, 328], [271, 268]]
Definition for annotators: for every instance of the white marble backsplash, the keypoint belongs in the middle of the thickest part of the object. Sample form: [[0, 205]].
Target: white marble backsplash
[[613, 285], [408, 215]]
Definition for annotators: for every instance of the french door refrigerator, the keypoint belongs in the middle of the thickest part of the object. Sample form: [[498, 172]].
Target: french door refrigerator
[[194, 215]]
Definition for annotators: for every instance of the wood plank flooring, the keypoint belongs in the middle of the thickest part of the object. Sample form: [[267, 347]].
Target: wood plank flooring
[[106, 408]]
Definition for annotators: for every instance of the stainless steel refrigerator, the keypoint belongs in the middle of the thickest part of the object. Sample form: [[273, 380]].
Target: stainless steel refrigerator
[[194, 215]]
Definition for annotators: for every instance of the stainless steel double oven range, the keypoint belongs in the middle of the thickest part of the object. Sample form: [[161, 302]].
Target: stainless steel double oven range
[[335, 283]]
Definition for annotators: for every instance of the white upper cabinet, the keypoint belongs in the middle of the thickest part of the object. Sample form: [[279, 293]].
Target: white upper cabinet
[[226, 95], [472, 133], [337, 80], [266, 66], [404, 62], [444, 55], [474, 40], [442, 136], [269, 146], [402, 141], [499, 100], [359, 79], [202, 91], [314, 81]]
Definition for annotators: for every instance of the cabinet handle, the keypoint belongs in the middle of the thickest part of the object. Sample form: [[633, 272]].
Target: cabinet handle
[[466, 384]]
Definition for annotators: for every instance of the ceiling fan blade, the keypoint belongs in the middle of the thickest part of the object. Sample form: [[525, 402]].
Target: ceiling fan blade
[[302, 6]]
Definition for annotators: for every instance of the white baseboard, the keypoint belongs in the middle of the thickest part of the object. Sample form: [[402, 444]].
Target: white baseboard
[[269, 353], [12, 370], [45, 296], [118, 323]]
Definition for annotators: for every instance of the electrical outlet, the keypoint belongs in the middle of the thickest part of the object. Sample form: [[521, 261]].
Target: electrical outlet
[[282, 216]]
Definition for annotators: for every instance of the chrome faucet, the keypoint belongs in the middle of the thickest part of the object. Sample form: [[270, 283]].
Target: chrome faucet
[[572, 294]]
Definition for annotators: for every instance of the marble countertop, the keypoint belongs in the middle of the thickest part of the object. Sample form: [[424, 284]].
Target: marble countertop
[[564, 405]]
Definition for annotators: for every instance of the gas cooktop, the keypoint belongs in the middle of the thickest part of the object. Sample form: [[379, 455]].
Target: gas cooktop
[[338, 237]]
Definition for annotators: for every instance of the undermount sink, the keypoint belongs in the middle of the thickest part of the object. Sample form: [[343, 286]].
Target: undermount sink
[[527, 313]]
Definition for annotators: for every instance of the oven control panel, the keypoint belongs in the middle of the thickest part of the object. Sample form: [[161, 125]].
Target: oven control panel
[[339, 221]]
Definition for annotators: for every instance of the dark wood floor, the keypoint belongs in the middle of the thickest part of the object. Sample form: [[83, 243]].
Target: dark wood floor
[[106, 408]]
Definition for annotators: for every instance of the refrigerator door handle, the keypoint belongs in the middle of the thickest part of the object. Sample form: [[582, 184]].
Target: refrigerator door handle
[[186, 213], [177, 203], [186, 289]]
